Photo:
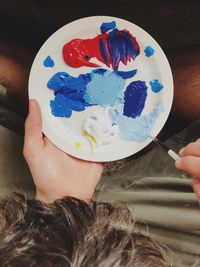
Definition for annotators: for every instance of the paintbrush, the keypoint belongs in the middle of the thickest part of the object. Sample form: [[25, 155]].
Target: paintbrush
[[170, 152]]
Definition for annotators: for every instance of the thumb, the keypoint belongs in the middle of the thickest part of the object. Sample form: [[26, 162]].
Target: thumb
[[33, 125]]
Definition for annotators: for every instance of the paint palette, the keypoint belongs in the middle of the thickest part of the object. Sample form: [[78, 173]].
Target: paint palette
[[104, 87]]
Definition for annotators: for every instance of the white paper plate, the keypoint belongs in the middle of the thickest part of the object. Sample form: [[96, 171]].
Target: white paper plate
[[64, 132]]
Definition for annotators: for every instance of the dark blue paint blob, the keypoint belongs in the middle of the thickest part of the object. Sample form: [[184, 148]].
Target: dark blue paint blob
[[106, 26], [48, 62], [126, 74], [99, 71], [134, 99], [114, 43], [149, 51], [131, 45], [104, 49], [118, 46], [156, 86]]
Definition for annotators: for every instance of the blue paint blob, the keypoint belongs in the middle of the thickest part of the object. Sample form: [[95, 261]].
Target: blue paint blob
[[134, 98], [126, 74], [64, 81], [69, 93], [149, 51], [156, 86], [60, 107], [48, 62], [138, 129], [104, 90], [106, 26], [99, 87]]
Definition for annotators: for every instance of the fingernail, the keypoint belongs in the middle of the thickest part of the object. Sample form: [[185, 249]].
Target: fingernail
[[178, 161], [181, 151]]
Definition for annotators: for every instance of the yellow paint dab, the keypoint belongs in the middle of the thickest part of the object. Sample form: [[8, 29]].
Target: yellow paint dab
[[84, 133], [78, 145], [91, 139]]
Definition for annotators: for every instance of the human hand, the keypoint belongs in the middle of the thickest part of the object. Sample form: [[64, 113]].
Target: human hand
[[190, 162], [55, 173]]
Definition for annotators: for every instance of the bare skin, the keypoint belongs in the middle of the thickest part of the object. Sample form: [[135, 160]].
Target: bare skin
[[15, 64], [185, 66], [190, 163], [55, 173]]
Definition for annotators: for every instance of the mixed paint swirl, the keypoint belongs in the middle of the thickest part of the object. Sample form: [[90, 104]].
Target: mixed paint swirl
[[117, 92], [110, 47]]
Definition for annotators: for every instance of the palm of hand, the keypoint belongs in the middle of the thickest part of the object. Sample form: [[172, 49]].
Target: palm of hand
[[55, 173], [64, 174]]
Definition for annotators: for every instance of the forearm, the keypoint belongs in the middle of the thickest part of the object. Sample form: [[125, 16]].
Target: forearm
[[15, 63]]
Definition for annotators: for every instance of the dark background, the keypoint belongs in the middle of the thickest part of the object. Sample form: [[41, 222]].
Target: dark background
[[30, 22]]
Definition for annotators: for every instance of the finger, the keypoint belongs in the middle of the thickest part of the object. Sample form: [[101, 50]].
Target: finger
[[192, 149], [33, 125], [190, 164], [196, 180], [196, 187]]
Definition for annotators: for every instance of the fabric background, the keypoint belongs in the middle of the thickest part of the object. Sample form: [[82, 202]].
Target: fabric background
[[160, 198]]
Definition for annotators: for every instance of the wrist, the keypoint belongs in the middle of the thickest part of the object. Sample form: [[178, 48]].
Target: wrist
[[50, 198], [43, 198]]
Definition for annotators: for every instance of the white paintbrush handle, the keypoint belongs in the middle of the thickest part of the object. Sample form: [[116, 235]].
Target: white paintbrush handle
[[173, 154]]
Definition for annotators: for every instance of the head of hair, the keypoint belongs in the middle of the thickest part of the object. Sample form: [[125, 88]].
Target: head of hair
[[72, 233]]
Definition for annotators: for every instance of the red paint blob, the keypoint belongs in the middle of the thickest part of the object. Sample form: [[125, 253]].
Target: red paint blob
[[78, 52]]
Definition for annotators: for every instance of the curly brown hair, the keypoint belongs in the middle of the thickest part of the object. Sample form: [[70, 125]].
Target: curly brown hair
[[72, 233]]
